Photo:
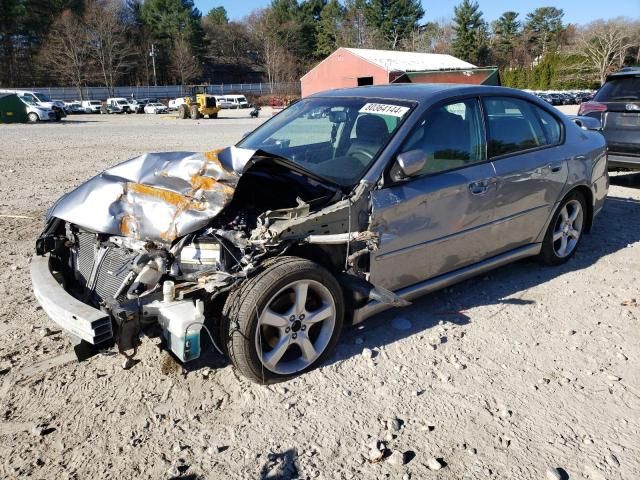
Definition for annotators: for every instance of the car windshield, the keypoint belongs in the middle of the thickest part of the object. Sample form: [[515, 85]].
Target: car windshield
[[335, 138], [41, 97], [619, 89]]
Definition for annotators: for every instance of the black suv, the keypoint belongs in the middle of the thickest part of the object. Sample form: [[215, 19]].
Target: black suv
[[617, 106]]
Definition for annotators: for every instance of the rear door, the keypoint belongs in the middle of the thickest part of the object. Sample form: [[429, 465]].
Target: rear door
[[525, 143], [438, 221]]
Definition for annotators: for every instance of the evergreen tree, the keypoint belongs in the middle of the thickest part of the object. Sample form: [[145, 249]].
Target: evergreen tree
[[470, 31], [544, 28], [168, 21], [394, 19], [506, 31], [329, 27], [218, 16]]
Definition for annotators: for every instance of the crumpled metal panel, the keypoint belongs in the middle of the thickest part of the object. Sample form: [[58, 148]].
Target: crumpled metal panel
[[157, 196]]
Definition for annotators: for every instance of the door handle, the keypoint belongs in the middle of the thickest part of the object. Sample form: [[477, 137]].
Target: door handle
[[553, 167], [479, 187]]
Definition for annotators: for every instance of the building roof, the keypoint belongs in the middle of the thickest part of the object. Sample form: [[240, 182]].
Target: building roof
[[392, 60]]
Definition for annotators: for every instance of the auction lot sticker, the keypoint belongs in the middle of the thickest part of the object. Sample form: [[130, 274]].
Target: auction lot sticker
[[384, 109]]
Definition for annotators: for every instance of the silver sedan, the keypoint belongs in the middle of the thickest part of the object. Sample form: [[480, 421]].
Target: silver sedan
[[347, 203]]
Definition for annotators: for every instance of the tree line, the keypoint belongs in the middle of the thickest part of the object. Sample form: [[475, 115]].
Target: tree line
[[134, 42]]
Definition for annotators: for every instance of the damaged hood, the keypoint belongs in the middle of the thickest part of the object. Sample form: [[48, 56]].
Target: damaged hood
[[156, 196]]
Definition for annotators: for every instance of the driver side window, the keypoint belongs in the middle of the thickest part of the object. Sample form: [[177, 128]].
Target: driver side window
[[451, 136]]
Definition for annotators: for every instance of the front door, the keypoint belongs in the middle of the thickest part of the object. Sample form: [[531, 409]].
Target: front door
[[438, 221]]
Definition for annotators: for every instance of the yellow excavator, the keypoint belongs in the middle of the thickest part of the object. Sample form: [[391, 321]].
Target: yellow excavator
[[198, 104]]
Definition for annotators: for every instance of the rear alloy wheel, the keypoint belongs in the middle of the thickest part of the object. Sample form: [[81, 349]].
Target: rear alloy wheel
[[283, 322], [33, 117], [565, 230]]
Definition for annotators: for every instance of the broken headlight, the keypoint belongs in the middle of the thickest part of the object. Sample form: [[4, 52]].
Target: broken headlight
[[203, 254]]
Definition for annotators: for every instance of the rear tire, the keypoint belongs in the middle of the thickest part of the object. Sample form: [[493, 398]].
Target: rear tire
[[565, 230], [283, 322], [33, 117]]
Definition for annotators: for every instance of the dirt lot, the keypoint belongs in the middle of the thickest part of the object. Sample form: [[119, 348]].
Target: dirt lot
[[503, 376]]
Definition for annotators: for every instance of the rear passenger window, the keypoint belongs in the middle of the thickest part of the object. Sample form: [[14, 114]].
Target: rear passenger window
[[515, 125], [451, 137]]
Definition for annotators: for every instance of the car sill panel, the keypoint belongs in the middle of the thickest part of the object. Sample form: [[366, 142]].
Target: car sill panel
[[414, 291]]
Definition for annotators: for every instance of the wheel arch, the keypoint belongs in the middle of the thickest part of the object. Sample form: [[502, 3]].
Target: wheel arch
[[588, 196]]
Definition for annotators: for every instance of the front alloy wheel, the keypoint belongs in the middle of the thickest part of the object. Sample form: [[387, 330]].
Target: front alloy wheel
[[283, 322], [295, 327]]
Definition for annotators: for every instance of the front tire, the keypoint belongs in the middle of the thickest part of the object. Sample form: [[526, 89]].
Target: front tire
[[283, 322], [565, 230]]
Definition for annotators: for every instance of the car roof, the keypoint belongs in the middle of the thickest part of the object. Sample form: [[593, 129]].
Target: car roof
[[625, 72], [418, 92]]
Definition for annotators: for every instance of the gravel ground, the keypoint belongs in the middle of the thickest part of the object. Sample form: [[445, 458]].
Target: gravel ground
[[511, 375]]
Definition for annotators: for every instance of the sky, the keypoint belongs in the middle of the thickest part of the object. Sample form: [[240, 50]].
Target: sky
[[576, 11]]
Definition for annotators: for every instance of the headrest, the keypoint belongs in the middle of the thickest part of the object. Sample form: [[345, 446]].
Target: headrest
[[371, 127]]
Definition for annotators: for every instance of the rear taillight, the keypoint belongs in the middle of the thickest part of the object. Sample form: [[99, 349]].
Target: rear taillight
[[588, 107]]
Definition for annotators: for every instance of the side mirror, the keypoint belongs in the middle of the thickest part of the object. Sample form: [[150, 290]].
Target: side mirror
[[412, 162], [587, 123]]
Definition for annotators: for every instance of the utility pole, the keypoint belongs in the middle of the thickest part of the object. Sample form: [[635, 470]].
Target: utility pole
[[152, 54]]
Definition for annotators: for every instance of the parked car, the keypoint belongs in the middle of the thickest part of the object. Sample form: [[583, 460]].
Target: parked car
[[221, 101], [41, 99], [236, 101], [175, 103], [137, 105], [116, 105], [155, 108], [91, 106], [399, 191], [617, 106], [39, 113], [546, 98], [73, 107], [583, 97]]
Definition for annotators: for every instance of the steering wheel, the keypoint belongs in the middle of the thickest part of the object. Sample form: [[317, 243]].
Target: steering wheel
[[362, 155]]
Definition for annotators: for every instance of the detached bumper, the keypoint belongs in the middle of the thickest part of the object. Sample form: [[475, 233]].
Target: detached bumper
[[77, 318]]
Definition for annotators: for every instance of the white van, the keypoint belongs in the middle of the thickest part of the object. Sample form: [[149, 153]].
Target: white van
[[37, 112], [91, 106], [176, 102], [236, 101], [117, 105], [42, 99]]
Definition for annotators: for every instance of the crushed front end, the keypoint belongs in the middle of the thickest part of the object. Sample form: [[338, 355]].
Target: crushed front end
[[155, 240], [104, 289]]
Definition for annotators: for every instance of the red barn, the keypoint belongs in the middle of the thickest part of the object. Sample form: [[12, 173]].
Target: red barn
[[353, 67]]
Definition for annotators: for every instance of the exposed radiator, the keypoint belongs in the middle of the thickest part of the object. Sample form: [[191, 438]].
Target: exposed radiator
[[100, 270]]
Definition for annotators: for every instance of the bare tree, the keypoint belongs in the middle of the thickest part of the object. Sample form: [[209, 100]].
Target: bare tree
[[108, 41], [604, 45], [66, 50], [274, 57], [184, 64]]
